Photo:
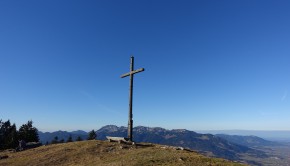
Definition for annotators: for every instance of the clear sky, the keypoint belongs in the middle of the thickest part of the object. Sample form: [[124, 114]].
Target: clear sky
[[209, 64]]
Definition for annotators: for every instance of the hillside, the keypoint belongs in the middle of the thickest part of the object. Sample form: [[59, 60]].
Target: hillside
[[250, 141], [208, 144], [107, 153]]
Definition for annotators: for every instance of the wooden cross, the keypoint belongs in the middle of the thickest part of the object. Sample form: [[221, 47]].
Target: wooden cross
[[131, 74]]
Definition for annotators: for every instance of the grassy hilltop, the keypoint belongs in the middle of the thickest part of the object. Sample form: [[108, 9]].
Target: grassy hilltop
[[107, 153]]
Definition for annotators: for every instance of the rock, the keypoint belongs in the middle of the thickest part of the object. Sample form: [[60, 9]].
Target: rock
[[110, 149], [3, 157], [179, 148]]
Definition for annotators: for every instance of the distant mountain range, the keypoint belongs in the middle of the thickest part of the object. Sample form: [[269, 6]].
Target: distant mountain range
[[249, 141], [229, 147], [47, 137], [207, 144], [275, 135]]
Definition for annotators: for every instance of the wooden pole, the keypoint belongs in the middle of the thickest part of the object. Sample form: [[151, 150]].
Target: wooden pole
[[130, 122]]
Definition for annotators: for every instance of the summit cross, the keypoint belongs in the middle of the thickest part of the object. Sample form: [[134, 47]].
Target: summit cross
[[131, 74]]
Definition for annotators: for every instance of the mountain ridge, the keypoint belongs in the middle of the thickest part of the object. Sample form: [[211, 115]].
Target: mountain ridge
[[272, 135], [250, 141], [207, 144]]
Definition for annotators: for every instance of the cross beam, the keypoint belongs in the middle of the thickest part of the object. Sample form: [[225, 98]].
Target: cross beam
[[131, 74]]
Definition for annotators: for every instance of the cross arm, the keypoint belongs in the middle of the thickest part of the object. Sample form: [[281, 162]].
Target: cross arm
[[132, 72]]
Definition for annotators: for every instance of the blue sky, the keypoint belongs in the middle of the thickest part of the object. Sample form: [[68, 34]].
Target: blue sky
[[209, 65]]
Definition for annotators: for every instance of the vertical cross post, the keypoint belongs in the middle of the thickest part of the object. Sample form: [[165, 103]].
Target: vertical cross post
[[130, 120], [131, 74]]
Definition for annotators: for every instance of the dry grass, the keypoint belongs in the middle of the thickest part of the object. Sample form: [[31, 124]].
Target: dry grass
[[107, 154]]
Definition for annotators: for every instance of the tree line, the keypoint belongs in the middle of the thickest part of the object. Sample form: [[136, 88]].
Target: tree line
[[10, 136], [92, 135]]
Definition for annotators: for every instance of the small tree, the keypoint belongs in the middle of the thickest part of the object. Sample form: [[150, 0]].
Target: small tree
[[55, 140], [92, 135], [61, 141], [12, 137], [8, 135], [79, 138], [69, 139], [28, 133], [1, 135]]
